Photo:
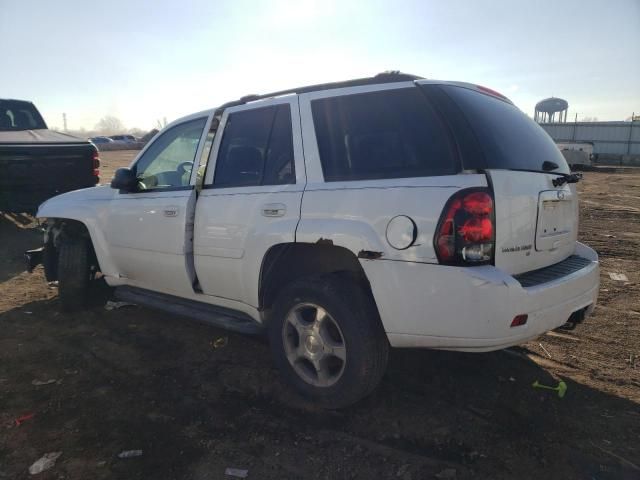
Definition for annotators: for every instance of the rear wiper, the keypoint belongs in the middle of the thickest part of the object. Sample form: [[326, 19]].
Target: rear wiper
[[566, 178], [547, 166]]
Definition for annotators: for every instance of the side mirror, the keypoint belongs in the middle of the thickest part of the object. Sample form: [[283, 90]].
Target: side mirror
[[125, 180]]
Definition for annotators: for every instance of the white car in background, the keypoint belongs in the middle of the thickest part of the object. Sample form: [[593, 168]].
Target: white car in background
[[123, 138], [341, 219]]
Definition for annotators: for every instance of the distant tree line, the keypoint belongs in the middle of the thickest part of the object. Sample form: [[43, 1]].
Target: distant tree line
[[112, 125]]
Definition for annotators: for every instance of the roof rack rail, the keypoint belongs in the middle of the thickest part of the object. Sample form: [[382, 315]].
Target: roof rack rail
[[389, 76]]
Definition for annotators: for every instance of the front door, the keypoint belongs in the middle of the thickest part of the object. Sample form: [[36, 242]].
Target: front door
[[150, 231], [251, 196]]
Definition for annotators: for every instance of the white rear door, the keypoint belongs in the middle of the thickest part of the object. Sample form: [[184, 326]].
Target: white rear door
[[251, 196], [536, 223]]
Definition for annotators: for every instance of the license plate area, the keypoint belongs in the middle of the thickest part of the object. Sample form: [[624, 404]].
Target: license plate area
[[556, 219]]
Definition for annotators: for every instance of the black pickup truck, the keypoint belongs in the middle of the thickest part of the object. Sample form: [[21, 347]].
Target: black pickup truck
[[37, 163]]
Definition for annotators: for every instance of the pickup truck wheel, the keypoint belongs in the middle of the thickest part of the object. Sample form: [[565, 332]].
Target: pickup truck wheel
[[327, 340], [74, 273]]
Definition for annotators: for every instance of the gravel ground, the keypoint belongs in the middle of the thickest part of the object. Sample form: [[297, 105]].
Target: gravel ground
[[135, 379]]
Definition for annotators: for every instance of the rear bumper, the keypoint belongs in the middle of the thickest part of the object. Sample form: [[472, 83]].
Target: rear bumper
[[471, 309]]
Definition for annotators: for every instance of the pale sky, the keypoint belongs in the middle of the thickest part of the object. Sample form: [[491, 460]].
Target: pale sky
[[144, 60]]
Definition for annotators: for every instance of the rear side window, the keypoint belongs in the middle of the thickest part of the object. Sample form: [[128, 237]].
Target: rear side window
[[384, 134], [256, 149], [18, 115], [508, 138]]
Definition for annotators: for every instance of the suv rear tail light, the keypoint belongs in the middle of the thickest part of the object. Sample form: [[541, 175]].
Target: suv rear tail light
[[466, 230], [95, 159]]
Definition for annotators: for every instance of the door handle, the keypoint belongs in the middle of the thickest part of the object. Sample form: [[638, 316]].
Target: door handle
[[274, 210]]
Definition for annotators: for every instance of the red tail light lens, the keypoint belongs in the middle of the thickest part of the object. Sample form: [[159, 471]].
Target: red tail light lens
[[95, 159], [476, 230], [466, 232], [478, 203]]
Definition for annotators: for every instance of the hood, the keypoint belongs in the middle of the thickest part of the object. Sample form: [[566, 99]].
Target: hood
[[43, 136], [59, 205]]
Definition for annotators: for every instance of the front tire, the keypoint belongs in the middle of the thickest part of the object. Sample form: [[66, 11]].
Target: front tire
[[327, 340], [74, 273]]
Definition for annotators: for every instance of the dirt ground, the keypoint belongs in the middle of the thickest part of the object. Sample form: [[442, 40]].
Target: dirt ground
[[110, 161], [134, 379]]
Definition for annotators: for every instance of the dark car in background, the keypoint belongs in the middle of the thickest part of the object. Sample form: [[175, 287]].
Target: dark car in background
[[37, 163]]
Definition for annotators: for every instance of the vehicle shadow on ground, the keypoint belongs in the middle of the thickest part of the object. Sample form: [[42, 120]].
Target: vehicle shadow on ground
[[18, 233], [137, 379]]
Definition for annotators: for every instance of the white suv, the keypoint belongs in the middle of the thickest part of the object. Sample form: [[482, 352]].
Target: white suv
[[341, 219]]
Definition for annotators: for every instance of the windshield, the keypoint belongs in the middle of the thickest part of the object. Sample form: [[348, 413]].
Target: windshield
[[508, 138], [17, 115]]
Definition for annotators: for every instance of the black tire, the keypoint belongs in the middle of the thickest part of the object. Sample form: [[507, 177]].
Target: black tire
[[352, 308], [74, 273]]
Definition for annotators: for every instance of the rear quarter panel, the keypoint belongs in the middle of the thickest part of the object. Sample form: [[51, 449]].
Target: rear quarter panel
[[355, 214]]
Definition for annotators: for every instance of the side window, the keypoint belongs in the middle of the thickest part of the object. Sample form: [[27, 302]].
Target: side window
[[384, 134], [169, 160], [256, 149]]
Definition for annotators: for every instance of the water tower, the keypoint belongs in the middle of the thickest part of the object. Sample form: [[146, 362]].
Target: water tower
[[547, 109]]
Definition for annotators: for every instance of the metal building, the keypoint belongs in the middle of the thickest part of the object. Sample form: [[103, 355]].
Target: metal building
[[608, 138]]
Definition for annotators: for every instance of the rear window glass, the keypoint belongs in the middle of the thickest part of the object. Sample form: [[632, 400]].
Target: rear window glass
[[17, 115], [384, 134], [508, 138]]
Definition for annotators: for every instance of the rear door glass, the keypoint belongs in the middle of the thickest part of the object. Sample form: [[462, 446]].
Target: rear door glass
[[383, 134], [508, 138], [256, 149]]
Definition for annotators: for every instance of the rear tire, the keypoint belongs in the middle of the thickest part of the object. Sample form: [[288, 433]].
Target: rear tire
[[74, 273], [327, 340]]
